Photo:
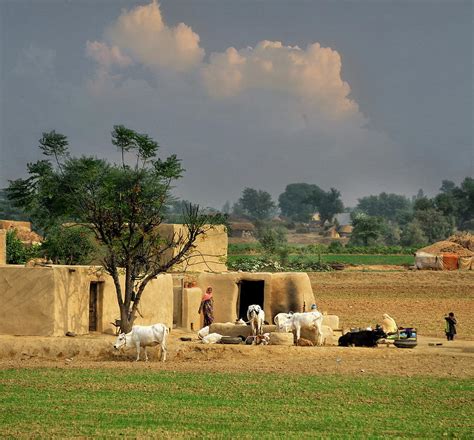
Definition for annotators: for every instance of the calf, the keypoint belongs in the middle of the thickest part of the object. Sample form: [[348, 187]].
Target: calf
[[256, 317], [365, 338], [144, 336]]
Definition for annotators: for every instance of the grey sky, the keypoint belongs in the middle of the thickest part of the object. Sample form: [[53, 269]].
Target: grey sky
[[406, 124]]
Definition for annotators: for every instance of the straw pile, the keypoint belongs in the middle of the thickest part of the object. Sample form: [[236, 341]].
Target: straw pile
[[465, 239], [447, 247]]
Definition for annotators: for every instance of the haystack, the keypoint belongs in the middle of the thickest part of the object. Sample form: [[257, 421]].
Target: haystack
[[465, 239], [446, 247]]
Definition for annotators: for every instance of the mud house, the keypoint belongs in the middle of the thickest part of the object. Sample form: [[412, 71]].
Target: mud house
[[50, 301], [235, 291]]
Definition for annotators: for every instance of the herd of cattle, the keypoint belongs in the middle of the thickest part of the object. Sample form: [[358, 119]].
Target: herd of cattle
[[155, 335]]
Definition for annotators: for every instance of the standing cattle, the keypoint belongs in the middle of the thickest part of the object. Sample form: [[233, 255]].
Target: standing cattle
[[282, 322], [365, 338], [256, 317], [144, 336], [308, 320]]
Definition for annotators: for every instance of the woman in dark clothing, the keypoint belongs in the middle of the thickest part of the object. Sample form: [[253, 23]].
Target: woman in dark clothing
[[207, 307], [450, 326]]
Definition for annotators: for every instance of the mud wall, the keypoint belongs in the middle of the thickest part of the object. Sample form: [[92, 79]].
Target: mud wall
[[283, 292], [209, 254]]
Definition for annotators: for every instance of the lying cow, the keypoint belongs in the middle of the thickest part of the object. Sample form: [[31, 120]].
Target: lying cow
[[144, 336], [364, 338], [256, 317]]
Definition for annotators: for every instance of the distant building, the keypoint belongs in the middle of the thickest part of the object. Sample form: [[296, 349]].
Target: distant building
[[242, 229]]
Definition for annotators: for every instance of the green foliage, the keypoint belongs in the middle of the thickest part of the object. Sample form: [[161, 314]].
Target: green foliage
[[271, 239], [335, 247], [123, 204], [327, 203], [70, 245], [413, 235], [257, 204], [434, 224], [384, 205], [294, 201], [275, 264], [17, 251], [367, 230]]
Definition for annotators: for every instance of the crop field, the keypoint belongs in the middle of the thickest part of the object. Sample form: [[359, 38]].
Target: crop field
[[357, 259], [111, 403]]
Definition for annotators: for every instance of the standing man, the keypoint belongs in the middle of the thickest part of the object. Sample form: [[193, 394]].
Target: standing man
[[450, 326]]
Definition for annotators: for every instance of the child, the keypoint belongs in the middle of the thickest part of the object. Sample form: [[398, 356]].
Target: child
[[450, 326]]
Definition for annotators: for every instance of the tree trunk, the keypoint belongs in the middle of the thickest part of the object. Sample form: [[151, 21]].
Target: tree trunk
[[127, 318]]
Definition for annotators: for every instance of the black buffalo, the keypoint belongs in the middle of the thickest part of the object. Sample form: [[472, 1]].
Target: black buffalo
[[365, 338]]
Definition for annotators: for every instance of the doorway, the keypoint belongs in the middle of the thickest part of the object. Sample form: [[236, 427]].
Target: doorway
[[95, 306], [251, 292]]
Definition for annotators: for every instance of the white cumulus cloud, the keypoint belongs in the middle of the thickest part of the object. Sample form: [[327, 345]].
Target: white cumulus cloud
[[107, 56], [312, 76], [143, 35]]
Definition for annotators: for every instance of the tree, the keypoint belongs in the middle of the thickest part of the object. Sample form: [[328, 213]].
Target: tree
[[412, 235], [367, 230], [257, 204], [434, 224], [122, 204], [72, 244], [329, 205], [294, 202], [384, 205], [8, 211]]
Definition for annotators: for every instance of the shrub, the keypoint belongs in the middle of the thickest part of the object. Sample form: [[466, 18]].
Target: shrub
[[17, 251]]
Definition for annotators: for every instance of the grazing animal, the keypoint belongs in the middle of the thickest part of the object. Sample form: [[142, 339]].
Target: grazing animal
[[308, 320], [282, 322], [364, 338], [144, 336], [256, 317]]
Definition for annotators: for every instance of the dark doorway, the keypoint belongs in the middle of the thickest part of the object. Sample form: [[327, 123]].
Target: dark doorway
[[251, 292], [93, 306]]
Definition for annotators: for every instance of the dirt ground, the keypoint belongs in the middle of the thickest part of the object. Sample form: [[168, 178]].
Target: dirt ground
[[455, 359], [418, 299]]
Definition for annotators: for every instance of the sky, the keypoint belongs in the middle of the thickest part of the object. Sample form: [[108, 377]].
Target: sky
[[364, 95]]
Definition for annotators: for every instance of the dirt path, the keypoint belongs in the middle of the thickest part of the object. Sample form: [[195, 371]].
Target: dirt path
[[453, 360]]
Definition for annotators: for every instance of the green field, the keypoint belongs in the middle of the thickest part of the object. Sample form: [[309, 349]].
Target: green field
[[392, 260], [45, 403]]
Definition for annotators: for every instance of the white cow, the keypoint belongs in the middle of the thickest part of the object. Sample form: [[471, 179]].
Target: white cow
[[308, 320], [256, 317], [144, 336], [282, 322]]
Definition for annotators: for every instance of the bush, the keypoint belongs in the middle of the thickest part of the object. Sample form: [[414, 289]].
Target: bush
[[17, 251], [70, 245], [335, 247]]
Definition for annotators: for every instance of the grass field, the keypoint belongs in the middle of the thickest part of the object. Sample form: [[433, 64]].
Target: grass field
[[109, 403], [392, 260]]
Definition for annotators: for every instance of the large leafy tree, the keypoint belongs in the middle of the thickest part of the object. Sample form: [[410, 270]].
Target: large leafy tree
[[257, 204], [384, 205], [367, 230], [122, 204], [294, 201], [329, 203]]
